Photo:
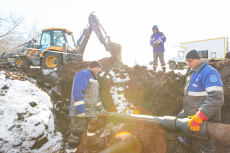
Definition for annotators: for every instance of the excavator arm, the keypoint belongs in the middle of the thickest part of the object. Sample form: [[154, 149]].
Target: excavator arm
[[94, 25]]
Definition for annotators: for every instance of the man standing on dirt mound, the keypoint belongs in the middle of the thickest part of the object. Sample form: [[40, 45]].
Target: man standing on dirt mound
[[84, 103], [157, 42], [203, 98]]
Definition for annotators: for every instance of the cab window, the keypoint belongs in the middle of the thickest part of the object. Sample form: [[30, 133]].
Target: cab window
[[58, 38], [46, 39], [181, 54], [70, 41]]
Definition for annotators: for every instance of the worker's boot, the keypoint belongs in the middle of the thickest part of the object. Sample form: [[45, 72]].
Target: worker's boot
[[69, 149], [164, 68], [154, 68]]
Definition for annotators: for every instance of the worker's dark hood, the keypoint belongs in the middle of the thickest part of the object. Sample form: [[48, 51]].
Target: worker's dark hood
[[155, 27]]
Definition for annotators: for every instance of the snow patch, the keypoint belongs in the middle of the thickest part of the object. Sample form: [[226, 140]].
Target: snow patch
[[26, 118]]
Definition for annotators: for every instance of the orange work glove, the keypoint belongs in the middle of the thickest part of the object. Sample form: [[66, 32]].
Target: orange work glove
[[197, 120]]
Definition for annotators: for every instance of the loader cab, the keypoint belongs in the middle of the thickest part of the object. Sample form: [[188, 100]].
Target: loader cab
[[58, 47], [45, 41], [56, 37]]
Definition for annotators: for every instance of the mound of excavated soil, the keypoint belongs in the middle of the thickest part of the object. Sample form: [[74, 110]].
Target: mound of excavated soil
[[223, 68], [158, 94]]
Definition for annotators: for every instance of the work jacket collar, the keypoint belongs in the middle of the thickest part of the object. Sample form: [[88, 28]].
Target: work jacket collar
[[200, 66], [94, 75]]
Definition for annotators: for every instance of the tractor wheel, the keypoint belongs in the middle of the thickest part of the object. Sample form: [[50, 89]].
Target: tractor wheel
[[25, 65], [52, 60], [18, 61], [172, 66]]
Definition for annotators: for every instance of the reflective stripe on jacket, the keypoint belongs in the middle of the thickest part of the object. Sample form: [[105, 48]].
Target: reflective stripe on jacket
[[204, 91], [85, 94]]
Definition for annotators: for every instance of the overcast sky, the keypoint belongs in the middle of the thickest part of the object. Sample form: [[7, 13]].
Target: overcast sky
[[130, 22]]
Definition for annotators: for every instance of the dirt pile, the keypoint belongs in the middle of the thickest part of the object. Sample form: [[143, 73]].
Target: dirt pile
[[159, 93], [223, 68]]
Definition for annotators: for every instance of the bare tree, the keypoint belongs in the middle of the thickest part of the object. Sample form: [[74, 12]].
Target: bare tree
[[9, 23], [10, 30], [34, 30], [14, 31]]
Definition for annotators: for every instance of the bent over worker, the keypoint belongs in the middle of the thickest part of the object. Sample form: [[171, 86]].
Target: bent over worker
[[157, 42], [203, 98], [84, 103]]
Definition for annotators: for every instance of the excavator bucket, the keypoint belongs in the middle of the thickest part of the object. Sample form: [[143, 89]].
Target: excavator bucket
[[115, 50]]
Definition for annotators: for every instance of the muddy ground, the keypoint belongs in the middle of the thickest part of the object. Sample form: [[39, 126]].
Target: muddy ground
[[157, 94]]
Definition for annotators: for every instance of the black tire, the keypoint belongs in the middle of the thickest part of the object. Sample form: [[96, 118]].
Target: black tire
[[26, 63], [18, 61], [172, 66], [52, 60]]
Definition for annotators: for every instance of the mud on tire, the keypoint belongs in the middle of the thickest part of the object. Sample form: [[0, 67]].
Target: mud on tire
[[52, 60], [18, 61], [25, 65]]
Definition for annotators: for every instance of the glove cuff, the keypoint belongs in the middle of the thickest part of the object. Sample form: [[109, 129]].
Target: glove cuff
[[201, 115], [81, 115], [103, 111]]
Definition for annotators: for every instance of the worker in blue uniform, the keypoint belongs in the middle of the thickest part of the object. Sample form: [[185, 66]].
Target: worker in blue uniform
[[157, 42], [203, 98], [84, 102]]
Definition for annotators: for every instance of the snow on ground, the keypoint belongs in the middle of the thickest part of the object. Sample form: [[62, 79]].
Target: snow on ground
[[26, 119], [50, 71], [118, 93], [150, 67], [117, 79]]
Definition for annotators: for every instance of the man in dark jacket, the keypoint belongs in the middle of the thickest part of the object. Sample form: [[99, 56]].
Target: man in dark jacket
[[203, 98], [157, 42], [84, 103]]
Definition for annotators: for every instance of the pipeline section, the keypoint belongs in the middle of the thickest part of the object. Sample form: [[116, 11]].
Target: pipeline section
[[208, 130]]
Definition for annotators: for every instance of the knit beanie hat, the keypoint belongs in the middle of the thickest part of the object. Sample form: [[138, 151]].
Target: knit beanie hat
[[192, 54], [95, 64]]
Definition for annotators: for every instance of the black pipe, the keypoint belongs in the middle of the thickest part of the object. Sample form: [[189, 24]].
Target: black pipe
[[172, 124]]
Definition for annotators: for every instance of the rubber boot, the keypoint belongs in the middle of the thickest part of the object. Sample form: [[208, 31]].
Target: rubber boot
[[164, 68], [154, 68], [69, 149]]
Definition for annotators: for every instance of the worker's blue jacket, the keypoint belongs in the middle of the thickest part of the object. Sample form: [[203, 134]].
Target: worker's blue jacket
[[204, 92], [85, 97], [155, 37]]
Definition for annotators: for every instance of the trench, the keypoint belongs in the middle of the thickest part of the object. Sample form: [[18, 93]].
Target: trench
[[137, 88]]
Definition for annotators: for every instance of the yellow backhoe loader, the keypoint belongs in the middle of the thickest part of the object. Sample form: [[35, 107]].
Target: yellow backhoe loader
[[57, 47]]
